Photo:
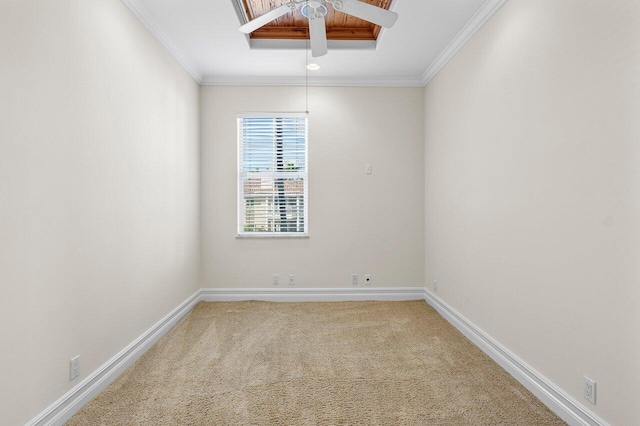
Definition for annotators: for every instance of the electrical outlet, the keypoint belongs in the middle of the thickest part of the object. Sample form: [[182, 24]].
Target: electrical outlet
[[292, 279], [367, 279], [276, 279], [354, 279], [589, 389], [74, 367], [435, 286]]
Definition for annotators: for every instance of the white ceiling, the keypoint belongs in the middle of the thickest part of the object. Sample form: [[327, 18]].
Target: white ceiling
[[203, 36]]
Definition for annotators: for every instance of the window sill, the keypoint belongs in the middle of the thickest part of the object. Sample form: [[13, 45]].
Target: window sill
[[274, 236]]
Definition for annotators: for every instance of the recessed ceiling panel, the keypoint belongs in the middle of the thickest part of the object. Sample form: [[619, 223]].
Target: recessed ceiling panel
[[294, 26], [204, 36]]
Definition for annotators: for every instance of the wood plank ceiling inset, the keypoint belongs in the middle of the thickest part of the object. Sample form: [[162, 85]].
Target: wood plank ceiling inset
[[295, 26]]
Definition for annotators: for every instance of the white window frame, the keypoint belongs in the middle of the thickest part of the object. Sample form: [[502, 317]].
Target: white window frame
[[243, 176]]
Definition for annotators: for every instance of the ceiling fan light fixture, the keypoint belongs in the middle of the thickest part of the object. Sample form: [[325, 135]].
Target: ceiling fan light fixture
[[313, 67], [314, 10]]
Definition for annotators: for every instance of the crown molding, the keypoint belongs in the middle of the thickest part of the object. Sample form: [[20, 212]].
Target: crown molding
[[485, 12], [313, 82], [482, 15], [142, 12]]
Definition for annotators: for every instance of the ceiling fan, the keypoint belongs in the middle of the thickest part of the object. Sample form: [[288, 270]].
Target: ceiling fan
[[315, 11]]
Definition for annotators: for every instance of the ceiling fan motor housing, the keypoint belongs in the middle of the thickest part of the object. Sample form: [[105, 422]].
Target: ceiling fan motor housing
[[314, 9]]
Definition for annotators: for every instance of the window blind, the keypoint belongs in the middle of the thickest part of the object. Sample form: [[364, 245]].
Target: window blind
[[272, 174]]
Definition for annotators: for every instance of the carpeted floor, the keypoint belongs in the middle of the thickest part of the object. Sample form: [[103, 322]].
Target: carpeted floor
[[346, 363]]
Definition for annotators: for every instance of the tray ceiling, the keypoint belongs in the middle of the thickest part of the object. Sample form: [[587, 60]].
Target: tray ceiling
[[294, 26], [204, 38]]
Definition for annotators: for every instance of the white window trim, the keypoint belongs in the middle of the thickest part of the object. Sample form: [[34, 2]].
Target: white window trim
[[241, 234]]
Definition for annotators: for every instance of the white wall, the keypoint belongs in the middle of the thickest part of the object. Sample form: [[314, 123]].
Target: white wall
[[99, 192], [364, 224], [533, 191]]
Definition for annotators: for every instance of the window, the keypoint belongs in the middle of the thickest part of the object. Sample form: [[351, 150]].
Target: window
[[272, 175]]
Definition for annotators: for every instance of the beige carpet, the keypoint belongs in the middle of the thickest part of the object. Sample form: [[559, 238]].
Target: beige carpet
[[347, 363]]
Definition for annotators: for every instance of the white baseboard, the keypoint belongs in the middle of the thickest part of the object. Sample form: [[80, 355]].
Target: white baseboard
[[312, 294], [69, 404], [552, 396], [565, 406]]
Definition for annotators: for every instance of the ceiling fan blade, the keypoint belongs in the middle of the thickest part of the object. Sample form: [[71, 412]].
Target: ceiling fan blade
[[318, 35], [370, 13], [262, 20]]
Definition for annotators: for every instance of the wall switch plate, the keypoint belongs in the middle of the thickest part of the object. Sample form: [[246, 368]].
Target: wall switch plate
[[368, 169], [435, 286], [367, 279], [589, 389], [276, 279], [74, 367], [292, 279], [354, 279]]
